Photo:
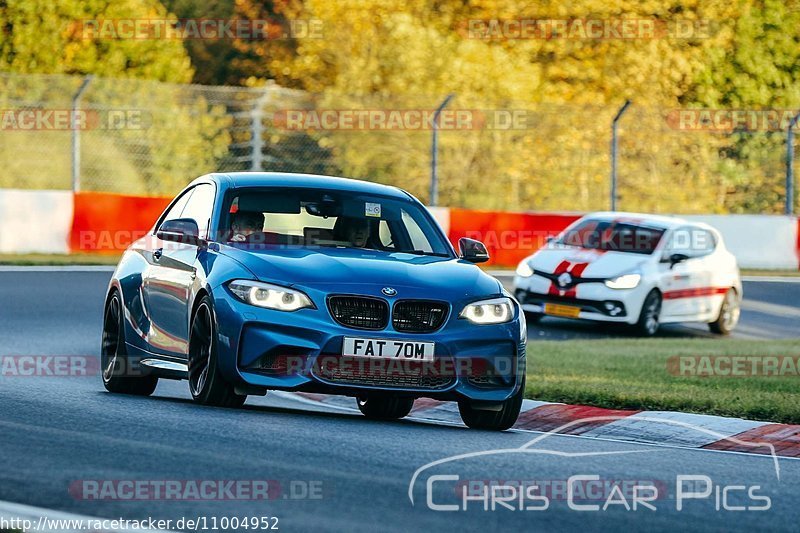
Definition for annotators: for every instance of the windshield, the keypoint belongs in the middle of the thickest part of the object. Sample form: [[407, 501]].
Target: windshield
[[322, 218], [612, 235]]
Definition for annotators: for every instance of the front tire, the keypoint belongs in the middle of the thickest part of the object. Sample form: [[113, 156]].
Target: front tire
[[206, 384], [648, 323], [116, 368], [493, 420], [385, 407], [728, 314]]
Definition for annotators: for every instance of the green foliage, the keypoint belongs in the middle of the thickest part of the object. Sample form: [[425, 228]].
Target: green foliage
[[410, 54], [759, 68], [41, 36], [242, 60]]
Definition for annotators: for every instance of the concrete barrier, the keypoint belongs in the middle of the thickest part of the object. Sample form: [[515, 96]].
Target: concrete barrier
[[758, 241], [35, 221], [60, 222]]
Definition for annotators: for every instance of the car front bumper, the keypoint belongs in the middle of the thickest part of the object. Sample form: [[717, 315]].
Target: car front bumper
[[301, 351], [592, 301]]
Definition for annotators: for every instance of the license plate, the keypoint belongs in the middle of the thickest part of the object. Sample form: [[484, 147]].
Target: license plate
[[567, 311], [388, 349]]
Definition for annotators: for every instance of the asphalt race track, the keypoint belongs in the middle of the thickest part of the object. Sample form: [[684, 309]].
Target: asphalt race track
[[336, 471]]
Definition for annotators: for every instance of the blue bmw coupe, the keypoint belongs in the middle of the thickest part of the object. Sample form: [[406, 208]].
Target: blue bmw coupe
[[250, 282]]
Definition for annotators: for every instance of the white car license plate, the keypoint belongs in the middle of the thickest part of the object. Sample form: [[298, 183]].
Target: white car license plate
[[388, 349]]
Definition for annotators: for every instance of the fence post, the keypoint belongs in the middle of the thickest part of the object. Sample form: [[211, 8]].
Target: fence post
[[434, 194], [789, 207], [614, 153], [257, 131], [76, 134]]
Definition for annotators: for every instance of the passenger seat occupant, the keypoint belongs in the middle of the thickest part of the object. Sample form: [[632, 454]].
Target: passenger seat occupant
[[246, 223], [352, 230]]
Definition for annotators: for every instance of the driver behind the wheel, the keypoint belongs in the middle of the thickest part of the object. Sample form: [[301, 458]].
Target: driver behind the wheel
[[354, 231], [246, 223]]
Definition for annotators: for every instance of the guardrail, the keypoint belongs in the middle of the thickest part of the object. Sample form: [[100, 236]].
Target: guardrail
[[62, 222]]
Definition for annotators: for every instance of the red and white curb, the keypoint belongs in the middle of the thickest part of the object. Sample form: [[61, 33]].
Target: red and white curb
[[667, 428]]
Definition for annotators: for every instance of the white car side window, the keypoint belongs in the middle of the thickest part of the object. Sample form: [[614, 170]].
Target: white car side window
[[691, 241]]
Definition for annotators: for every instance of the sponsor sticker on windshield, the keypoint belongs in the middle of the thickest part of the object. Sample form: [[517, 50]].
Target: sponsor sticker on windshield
[[373, 210]]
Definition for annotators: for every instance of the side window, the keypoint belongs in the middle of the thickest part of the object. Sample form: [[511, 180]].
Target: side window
[[692, 242], [418, 239], [177, 208], [706, 242], [385, 236], [200, 206]]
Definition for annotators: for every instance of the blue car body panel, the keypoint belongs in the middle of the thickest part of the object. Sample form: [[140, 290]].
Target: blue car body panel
[[159, 295]]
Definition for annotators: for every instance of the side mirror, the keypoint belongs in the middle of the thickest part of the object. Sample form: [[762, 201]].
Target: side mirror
[[182, 230], [674, 259], [472, 250]]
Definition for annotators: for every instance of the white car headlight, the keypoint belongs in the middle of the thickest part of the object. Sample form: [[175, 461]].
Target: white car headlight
[[494, 311], [269, 296], [524, 270], [626, 281]]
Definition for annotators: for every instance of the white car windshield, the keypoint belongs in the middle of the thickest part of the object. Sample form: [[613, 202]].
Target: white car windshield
[[612, 235]]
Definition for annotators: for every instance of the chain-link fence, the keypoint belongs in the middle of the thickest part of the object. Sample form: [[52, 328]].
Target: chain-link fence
[[144, 137]]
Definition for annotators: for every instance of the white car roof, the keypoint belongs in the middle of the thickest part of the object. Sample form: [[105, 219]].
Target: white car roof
[[660, 221]]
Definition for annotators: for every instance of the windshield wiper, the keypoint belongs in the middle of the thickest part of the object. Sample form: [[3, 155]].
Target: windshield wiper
[[420, 252]]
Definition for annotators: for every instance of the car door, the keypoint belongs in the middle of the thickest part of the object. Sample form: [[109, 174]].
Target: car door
[[171, 276], [704, 244], [684, 284]]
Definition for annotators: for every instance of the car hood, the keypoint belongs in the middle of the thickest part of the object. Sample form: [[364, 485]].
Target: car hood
[[599, 264], [334, 269]]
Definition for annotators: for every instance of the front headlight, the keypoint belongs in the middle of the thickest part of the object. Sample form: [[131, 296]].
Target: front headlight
[[269, 296], [524, 270], [626, 281], [494, 311]]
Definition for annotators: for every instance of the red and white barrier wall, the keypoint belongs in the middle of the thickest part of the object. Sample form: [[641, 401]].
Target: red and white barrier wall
[[63, 222], [35, 221]]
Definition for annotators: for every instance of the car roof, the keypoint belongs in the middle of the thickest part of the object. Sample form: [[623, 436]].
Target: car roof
[[660, 221], [235, 180]]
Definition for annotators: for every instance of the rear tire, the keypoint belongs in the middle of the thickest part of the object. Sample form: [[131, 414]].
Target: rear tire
[[385, 407], [648, 322], [493, 420], [116, 370], [206, 384], [728, 314]]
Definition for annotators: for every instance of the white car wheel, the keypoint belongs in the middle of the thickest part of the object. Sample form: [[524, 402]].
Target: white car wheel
[[729, 314], [648, 323]]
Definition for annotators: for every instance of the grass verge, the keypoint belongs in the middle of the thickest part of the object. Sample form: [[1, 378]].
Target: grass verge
[[58, 259], [633, 374], [761, 272]]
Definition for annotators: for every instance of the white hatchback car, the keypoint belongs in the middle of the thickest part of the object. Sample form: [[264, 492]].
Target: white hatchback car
[[642, 270]]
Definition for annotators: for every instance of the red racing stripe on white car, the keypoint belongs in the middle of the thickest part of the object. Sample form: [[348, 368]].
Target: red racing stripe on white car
[[694, 293], [575, 271], [560, 269]]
